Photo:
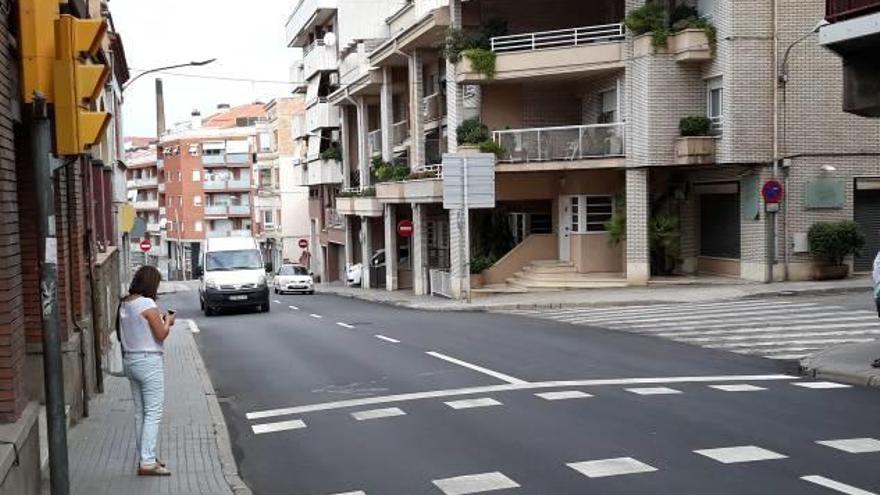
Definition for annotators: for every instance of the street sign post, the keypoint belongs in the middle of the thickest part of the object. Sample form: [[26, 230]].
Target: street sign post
[[303, 243], [405, 228], [146, 245]]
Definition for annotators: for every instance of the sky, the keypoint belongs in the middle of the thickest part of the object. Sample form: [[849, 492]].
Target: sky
[[246, 37]]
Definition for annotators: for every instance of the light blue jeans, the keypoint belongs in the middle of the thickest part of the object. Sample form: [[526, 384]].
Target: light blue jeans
[[146, 374]]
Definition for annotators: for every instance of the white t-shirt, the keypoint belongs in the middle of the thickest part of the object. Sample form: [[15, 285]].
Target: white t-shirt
[[135, 329]]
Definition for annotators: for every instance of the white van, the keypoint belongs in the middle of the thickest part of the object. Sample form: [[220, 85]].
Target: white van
[[232, 275]]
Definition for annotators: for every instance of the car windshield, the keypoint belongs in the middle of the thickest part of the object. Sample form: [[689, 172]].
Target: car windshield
[[233, 260], [292, 270]]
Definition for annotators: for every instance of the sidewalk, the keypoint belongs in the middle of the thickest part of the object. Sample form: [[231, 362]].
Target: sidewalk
[[193, 439], [846, 363], [664, 294]]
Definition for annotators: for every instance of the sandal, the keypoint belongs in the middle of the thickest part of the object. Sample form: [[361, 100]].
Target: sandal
[[153, 470]]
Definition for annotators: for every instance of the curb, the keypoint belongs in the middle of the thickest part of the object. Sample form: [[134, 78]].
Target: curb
[[872, 381], [221, 433]]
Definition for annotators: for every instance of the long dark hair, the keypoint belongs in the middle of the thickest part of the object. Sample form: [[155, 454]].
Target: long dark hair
[[145, 282]]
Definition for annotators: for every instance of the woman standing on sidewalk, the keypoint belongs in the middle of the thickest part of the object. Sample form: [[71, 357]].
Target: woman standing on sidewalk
[[142, 331]]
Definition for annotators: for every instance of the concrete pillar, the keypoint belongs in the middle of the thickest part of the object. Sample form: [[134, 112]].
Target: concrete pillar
[[363, 142], [386, 114], [459, 256], [453, 90], [638, 212], [416, 116], [349, 240], [346, 152], [391, 261], [366, 250], [420, 249]]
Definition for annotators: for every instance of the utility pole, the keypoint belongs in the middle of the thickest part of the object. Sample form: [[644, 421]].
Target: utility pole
[[53, 370]]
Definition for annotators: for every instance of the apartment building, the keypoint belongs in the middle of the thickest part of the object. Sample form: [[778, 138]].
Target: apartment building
[[593, 167], [207, 169], [281, 203], [852, 31], [144, 187]]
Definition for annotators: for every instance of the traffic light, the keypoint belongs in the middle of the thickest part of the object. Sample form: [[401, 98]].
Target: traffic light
[[37, 26], [78, 84]]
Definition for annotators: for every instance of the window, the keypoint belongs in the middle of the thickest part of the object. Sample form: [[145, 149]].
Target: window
[[193, 150], [197, 176], [197, 200], [706, 8], [265, 141], [608, 106], [589, 214], [715, 103], [197, 226], [267, 218]]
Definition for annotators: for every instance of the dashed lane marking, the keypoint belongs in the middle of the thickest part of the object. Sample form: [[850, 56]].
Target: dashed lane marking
[[388, 399], [734, 455], [835, 485], [294, 424], [853, 445], [294, 308], [653, 391], [822, 385], [611, 467], [276, 301], [472, 403], [192, 326], [351, 493], [479, 369], [317, 317], [344, 325], [475, 483], [564, 395], [737, 388], [387, 339], [377, 413]]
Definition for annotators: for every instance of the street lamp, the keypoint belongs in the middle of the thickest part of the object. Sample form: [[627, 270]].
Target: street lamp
[[199, 63]]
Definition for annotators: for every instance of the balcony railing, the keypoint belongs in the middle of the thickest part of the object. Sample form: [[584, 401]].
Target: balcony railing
[[334, 219], [374, 139], [146, 182], [223, 185], [318, 57], [401, 132], [214, 159], [303, 14], [562, 38], [239, 209], [433, 107], [215, 210], [838, 10], [239, 183], [147, 204], [230, 233], [238, 158], [561, 143]]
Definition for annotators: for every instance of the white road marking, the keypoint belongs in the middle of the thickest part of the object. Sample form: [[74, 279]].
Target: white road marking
[[294, 424], [737, 388], [480, 369], [564, 395], [743, 321], [648, 308], [387, 339], [475, 483], [472, 403], [611, 467], [835, 485], [313, 315], [654, 391], [344, 325], [822, 385], [276, 301], [387, 399], [757, 335], [686, 313], [777, 343], [377, 413], [294, 308], [762, 330], [351, 493], [853, 445], [192, 326], [733, 455]]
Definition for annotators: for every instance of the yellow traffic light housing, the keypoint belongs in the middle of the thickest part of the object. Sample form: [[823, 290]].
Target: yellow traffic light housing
[[77, 84], [37, 27]]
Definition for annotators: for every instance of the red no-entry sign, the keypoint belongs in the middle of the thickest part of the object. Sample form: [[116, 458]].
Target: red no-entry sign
[[303, 243], [772, 191], [146, 245], [405, 228]]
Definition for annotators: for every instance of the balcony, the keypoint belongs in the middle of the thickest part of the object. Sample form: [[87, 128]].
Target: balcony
[[238, 184], [839, 10], [320, 115], [334, 219], [561, 144], [324, 172], [153, 227], [434, 107], [227, 185], [146, 204], [160, 164], [300, 175], [307, 14], [695, 150], [216, 211], [319, 58], [401, 133], [361, 206], [229, 233], [161, 187], [560, 53], [374, 140], [854, 34], [238, 159], [213, 160], [239, 210], [298, 78], [411, 191]]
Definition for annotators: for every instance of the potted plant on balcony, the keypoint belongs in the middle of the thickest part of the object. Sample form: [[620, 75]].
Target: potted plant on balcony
[[696, 144], [474, 136], [333, 152], [831, 243], [687, 35], [475, 47]]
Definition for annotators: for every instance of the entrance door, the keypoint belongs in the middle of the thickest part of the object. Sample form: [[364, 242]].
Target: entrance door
[[568, 210], [867, 215]]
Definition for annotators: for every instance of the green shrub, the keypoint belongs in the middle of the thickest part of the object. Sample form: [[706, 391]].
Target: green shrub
[[616, 227], [695, 125], [665, 240], [832, 242], [482, 61], [490, 146], [472, 131], [334, 152], [457, 41], [647, 18], [388, 172], [479, 264]]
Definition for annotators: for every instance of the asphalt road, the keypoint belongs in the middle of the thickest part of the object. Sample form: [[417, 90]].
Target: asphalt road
[[335, 396]]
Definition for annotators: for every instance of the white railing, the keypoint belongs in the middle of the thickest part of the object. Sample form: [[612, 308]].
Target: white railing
[[561, 143], [334, 219], [375, 141], [562, 38], [401, 132], [146, 182], [216, 210], [441, 283], [214, 159], [435, 170], [239, 183], [148, 204], [239, 209], [214, 185], [238, 158], [153, 227], [433, 107]]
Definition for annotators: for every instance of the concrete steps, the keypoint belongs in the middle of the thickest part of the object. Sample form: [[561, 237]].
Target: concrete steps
[[553, 276]]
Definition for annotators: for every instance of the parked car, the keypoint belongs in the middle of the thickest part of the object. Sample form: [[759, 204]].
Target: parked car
[[232, 275], [293, 278], [354, 273]]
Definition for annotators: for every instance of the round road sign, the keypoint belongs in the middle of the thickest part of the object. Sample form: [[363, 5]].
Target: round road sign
[[405, 228], [772, 191], [146, 245], [303, 243]]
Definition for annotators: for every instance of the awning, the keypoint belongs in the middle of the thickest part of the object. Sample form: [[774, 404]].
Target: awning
[[237, 146], [213, 145]]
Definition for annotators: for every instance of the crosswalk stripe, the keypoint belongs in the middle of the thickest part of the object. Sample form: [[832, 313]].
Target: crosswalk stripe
[[835, 485], [689, 315], [795, 327], [794, 335], [724, 322], [649, 308], [789, 342]]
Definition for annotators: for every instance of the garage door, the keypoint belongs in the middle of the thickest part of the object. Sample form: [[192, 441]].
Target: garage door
[[719, 221], [867, 215]]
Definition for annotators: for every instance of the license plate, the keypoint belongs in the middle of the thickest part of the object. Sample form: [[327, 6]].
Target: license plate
[[238, 298]]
